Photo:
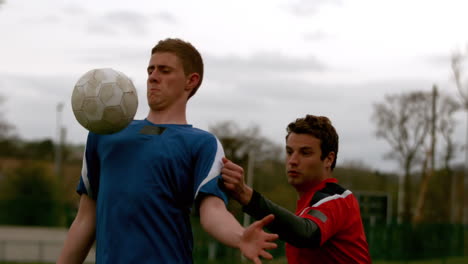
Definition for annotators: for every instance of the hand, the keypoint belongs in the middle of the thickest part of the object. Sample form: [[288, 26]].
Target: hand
[[255, 241], [233, 177]]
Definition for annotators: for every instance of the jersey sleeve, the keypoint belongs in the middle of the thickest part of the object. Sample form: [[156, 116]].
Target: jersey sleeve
[[89, 179], [208, 169], [295, 230], [329, 215]]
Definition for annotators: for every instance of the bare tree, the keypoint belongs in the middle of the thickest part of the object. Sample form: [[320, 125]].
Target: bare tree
[[446, 128], [402, 121], [238, 142], [248, 148], [459, 66], [429, 159], [442, 123], [5, 127]]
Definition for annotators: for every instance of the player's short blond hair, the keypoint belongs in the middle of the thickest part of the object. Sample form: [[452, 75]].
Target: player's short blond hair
[[191, 59]]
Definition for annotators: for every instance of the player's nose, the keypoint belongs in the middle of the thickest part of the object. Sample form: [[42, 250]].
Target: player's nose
[[293, 159], [154, 77]]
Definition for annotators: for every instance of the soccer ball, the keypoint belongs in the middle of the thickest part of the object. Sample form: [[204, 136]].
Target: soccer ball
[[104, 101]]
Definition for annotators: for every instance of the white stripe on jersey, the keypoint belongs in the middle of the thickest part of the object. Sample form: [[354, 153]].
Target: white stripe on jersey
[[84, 175], [327, 199], [215, 168]]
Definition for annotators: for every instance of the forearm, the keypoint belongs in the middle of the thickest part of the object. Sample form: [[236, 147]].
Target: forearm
[[77, 244], [81, 235], [217, 221], [297, 231]]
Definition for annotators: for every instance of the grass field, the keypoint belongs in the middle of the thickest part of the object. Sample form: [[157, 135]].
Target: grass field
[[454, 260]]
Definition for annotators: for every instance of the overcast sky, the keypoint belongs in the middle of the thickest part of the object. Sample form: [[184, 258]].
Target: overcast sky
[[266, 62]]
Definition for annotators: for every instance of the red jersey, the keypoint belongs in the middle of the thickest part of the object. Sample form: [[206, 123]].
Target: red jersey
[[336, 212]]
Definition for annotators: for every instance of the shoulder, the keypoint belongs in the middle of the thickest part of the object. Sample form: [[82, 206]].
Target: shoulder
[[200, 132], [201, 135], [331, 191]]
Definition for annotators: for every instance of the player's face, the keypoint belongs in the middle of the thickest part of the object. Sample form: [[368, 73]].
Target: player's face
[[304, 167], [166, 84]]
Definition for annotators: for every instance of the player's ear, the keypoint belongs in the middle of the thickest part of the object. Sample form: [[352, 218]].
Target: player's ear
[[329, 159], [192, 80]]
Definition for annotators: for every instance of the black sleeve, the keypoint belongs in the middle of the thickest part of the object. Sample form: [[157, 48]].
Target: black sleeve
[[297, 231]]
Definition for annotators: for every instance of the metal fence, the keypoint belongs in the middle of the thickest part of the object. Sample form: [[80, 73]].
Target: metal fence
[[34, 250], [396, 243], [417, 242], [28, 251], [386, 243], [38, 251]]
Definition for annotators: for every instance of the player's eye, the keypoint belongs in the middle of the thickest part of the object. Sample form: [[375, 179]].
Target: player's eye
[[164, 69], [150, 70]]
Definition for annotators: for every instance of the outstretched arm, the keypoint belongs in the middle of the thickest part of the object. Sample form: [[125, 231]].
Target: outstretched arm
[[223, 226], [298, 231], [81, 235], [254, 235]]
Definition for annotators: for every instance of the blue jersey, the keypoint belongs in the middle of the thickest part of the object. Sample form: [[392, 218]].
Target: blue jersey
[[145, 180]]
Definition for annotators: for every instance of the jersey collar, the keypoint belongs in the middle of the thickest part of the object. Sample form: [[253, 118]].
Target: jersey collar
[[305, 199]]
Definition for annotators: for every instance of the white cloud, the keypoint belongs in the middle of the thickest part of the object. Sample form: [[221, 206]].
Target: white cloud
[[307, 8], [119, 22]]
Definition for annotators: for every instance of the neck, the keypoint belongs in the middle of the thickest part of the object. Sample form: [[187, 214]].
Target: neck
[[167, 117], [305, 188]]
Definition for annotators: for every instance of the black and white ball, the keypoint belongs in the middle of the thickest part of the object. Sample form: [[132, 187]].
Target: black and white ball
[[104, 101]]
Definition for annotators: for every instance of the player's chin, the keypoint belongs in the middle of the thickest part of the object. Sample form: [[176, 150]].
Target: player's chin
[[153, 100], [294, 181], [154, 105]]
